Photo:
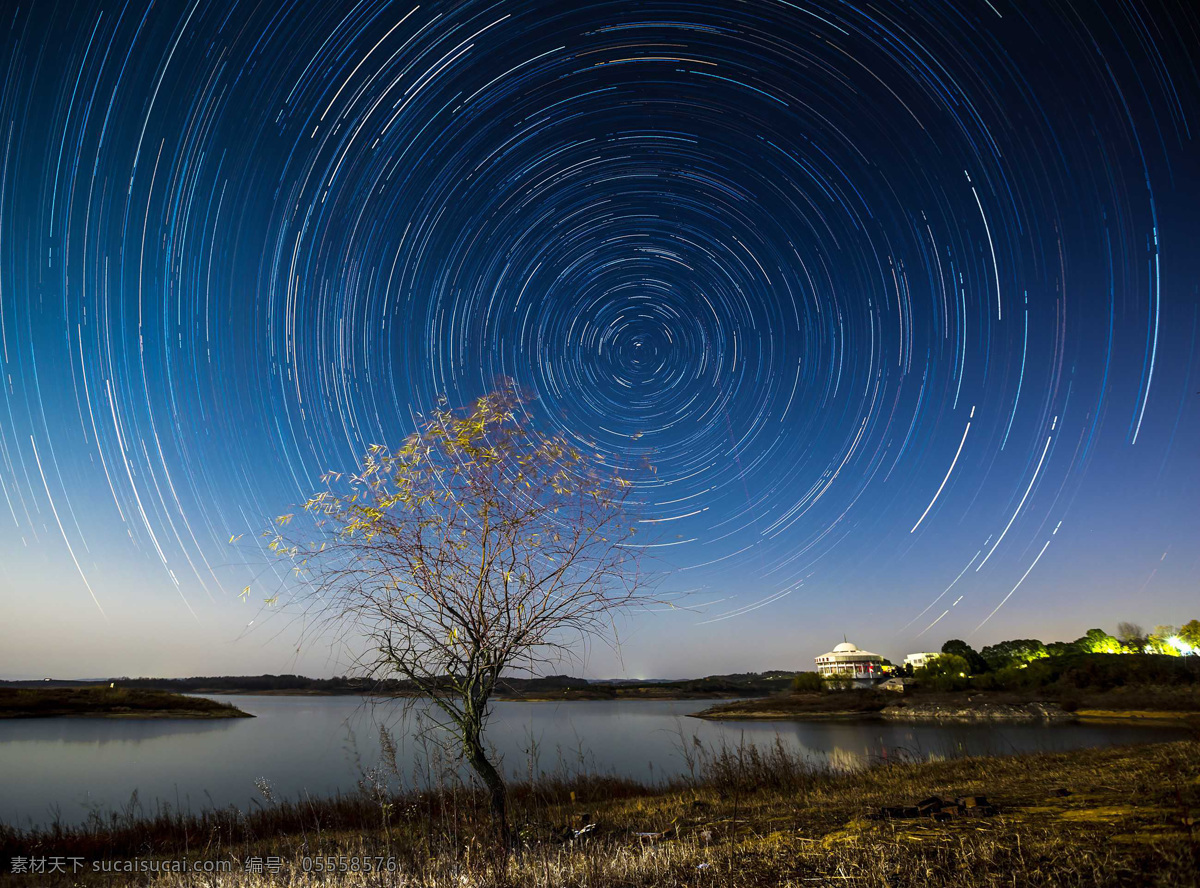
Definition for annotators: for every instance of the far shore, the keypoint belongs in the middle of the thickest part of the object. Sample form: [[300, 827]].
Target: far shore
[[1146, 706], [570, 694], [547, 689], [109, 702]]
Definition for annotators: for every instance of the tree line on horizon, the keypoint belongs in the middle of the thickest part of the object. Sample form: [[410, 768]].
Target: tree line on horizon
[[1028, 662], [1006, 664], [1130, 639]]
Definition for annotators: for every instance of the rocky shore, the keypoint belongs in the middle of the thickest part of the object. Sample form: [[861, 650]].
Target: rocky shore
[[977, 712]]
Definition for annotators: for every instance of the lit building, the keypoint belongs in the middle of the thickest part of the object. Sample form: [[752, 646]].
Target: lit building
[[918, 661], [847, 662]]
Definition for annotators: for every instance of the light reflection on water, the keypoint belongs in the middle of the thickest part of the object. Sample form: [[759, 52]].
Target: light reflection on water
[[324, 745]]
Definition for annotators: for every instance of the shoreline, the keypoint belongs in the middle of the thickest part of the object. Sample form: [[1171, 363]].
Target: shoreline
[[1091, 816], [965, 708], [1111, 716], [110, 702], [569, 697], [778, 715], [1136, 715]]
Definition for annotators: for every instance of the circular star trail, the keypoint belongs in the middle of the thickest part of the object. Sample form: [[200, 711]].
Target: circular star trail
[[899, 301]]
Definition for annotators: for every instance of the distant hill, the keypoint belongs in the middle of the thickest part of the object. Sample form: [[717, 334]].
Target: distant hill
[[747, 684]]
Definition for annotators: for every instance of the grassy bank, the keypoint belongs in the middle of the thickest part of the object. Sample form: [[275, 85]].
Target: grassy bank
[[1107, 817], [109, 703]]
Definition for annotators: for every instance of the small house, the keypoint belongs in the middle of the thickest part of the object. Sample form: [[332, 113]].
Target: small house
[[920, 660]]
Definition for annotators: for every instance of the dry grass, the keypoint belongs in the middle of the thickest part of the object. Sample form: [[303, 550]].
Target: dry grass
[[745, 818]]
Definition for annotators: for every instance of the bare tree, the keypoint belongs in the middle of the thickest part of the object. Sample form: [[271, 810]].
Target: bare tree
[[479, 547], [1131, 634]]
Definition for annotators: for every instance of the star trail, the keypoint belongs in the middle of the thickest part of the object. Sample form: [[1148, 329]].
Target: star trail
[[894, 298]]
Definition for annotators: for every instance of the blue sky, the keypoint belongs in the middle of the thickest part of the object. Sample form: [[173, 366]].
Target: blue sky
[[901, 303]]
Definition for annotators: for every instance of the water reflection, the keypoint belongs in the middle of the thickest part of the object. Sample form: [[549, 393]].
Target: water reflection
[[324, 745], [99, 731]]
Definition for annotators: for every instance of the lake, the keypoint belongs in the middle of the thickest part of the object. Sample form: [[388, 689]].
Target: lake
[[66, 767]]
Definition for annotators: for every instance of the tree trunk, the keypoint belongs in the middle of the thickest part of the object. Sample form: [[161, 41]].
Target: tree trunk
[[497, 791]]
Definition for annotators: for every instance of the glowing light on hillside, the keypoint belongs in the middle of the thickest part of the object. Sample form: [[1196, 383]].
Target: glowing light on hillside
[[1180, 645]]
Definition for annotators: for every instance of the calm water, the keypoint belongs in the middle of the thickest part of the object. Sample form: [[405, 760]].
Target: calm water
[[322, 745]]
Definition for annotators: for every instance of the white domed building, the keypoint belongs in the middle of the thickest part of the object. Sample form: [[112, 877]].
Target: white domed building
[[847, 663]]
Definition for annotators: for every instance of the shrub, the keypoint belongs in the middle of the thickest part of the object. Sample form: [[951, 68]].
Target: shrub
[[1097, 641], [1100, 672], [958, 647], [986, 682], [1013, 653], [946, 672], [807, 682]]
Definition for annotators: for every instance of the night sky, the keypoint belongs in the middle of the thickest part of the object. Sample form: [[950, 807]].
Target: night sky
[[901, 301]]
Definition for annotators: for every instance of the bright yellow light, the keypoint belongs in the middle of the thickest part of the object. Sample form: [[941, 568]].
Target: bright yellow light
[[1180, 645]]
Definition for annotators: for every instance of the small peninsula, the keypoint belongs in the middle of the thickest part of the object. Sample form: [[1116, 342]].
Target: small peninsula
[[109, 702]]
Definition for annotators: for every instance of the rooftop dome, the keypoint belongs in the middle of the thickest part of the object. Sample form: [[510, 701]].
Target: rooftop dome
[[846, 647]]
